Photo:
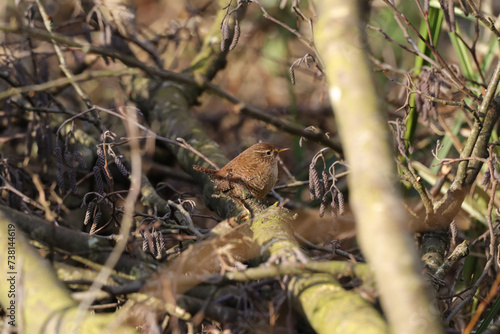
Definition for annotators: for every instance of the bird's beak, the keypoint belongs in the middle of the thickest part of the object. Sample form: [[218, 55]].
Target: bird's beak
[[283, 150]]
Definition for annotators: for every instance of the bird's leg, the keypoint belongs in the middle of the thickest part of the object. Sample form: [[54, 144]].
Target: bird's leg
[[246, 214]]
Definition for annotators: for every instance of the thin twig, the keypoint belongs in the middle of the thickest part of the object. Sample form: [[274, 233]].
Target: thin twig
[[243, 107], [188, 147], [329, 250], [126, 223], [186, 215], [306, 41], [62, 61], [440, 64], [487, 22], [89, 75]]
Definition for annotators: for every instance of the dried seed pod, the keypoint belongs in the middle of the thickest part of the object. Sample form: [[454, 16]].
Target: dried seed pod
[[340, 199], [322, 207], [96, 220], [68, 157], [88, 213], [292, 75], [314, 184], [326, 183], [98, 180], [60, 169], [79, 158], [163, 246], [154, 249], [101, 160], [48, 143], [145, 245], [453, 231], [120, 166], [225, 31], [151, 245], [451, 14], [236, 35], [334, 204], [157, 236]]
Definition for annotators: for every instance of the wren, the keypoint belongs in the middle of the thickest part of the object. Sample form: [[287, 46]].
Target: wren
[[254, 171]]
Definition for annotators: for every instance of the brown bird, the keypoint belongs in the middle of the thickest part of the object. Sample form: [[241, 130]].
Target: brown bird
[[254, 170]]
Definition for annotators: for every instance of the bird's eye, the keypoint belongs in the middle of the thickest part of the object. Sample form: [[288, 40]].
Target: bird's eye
[[269, 152]]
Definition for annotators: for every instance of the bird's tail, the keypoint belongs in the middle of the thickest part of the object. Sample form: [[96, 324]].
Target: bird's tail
[[204, 170]]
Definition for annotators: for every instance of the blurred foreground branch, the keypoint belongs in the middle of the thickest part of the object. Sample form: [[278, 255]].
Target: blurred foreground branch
[[374, 196], [34, 280]]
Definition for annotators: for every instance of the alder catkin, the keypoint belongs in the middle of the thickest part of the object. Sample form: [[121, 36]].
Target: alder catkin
[[225, 31], [236, 36], [314, 184], [340, 199], [98, 180], [60, 169], [88, 213]]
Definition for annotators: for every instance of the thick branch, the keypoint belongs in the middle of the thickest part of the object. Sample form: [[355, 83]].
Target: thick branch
[[96, 249], [372, 181], [32, 282]]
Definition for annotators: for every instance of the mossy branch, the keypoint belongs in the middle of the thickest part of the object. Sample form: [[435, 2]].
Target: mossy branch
[[34, 281]]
